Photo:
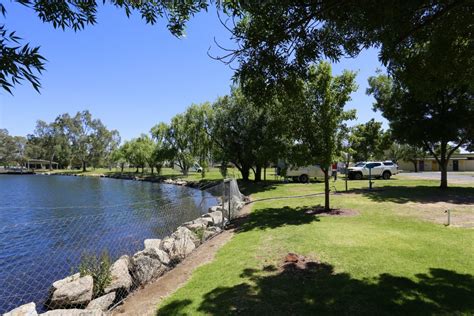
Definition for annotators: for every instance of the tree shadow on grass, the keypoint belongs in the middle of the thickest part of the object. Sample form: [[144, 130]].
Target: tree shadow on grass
[[251, 187], [317, 289], [270, 218], [419, 194]]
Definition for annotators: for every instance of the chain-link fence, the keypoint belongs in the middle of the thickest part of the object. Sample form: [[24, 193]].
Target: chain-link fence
[[68, 262], [230, 199], [33, 255]]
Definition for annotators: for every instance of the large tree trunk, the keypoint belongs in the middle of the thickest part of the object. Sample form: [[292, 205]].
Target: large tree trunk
[[415, 164], [121, 168], [84, 169], [258, 173], [443, 164], [265, 173], [51, 162], [444, 173], [347, 175], [245, 171], [326, 190], [152, 169]]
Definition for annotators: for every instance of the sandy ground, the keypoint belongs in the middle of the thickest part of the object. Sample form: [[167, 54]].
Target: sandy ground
[[145, 301], [462, 215]]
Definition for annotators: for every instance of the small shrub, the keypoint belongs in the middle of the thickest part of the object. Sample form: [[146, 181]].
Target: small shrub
[[99, 268], [200, 233]]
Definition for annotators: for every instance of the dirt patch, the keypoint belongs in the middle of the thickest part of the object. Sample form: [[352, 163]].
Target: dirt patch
[[320, 211], [145, 301], [461, 215], [299, 265]]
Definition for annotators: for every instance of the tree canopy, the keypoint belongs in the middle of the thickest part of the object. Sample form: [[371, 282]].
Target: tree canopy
[[435, 119], [278, 39], [319, 120], [369, 141]]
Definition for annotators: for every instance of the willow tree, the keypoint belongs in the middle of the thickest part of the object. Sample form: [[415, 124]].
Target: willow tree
[[319, 118], [197, 119], [162, 151]]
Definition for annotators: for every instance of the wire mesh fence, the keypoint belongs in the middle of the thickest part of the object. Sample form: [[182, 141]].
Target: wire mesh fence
[[231, 200], [35, 254], [88, 250]]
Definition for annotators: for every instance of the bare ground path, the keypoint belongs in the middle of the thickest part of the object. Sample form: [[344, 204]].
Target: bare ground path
[[145, 301]]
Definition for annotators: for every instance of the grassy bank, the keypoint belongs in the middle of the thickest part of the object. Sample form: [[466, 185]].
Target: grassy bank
[[166, 173], [390, 258]]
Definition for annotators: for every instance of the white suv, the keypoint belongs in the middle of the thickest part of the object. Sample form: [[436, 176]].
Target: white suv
[[379, 169]]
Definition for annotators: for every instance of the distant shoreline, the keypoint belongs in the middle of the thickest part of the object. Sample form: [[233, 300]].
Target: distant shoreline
[[155, 179]]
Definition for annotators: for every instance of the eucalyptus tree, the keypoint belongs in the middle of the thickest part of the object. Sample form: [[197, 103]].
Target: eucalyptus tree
[[102, 143], [13, 149], [88, 139], [7, 147], [319, 119], [50, 138]]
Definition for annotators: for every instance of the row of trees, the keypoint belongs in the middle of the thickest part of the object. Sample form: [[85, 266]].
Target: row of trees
[[12, 148], [72, 141], [305, 128]]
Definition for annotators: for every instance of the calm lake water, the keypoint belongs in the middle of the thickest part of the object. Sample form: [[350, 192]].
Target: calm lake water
[[48, 222]]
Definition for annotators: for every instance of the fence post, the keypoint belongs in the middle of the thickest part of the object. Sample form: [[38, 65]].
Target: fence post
[[223, 201], [370, 178], [230, 198]]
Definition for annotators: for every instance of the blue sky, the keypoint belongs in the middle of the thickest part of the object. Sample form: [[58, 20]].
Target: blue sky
[[132, 75]]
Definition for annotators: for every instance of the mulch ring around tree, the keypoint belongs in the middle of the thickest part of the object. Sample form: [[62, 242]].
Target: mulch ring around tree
[[320, 211]]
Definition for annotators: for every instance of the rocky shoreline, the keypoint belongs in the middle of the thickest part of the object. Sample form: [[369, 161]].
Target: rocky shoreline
[[74, 295]]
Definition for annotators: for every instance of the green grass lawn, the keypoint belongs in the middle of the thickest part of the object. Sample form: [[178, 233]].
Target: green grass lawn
[[211, 174], [381, 261]]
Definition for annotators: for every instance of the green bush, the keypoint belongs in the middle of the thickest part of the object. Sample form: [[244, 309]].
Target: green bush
[[99, 268], [200, 233]]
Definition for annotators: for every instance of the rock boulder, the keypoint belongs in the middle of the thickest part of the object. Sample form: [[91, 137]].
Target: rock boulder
[[152, 243], [102, 303], [73, 291], [210, 232], [74, 312], [217, 217], [146, 266], [167, 244], [23, 310], [121, 278], [182, 237]]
